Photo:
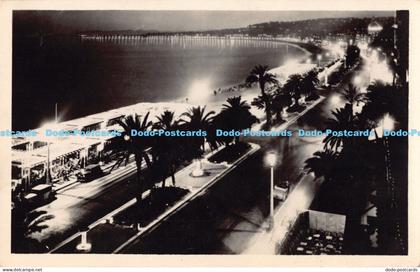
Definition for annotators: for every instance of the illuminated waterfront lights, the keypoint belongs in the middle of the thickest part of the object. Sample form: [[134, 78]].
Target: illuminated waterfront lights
[[362, 45], [199, 91], [337, 49], [381, 72], [374, 27]]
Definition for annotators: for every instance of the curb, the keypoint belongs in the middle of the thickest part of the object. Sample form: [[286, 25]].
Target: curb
[[166, 215]]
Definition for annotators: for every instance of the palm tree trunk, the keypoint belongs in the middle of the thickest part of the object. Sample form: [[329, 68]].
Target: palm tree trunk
[[173, 177], [267, 108], [147, 159], [262, 87], [376, 134], [268, 113], [139, 197]]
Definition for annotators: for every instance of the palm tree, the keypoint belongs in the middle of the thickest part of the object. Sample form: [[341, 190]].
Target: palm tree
[[384, 98], [352, 55], [25, 223], [239, 113], [309, 83], [353, 96], [343, 120], [281, 100], [166, 121], [260, 74], [322, 164], [198, 119], [293, 86], [235, 115], [167, 150], [127, 145]]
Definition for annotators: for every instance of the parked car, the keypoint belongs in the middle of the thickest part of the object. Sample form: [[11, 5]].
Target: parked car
[[90, 173], [281, 191], [39, 195]]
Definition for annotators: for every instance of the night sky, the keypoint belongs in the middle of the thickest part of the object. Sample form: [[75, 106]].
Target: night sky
[[73, 21]]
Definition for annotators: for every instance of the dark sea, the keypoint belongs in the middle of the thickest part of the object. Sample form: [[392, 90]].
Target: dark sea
[[86, 77]]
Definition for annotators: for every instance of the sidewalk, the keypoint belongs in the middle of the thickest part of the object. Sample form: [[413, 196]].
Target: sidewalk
[[291, 118], [298, 200], [105, 228]]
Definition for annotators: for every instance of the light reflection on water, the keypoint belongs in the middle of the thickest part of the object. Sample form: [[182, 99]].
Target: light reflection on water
[[91, 77]]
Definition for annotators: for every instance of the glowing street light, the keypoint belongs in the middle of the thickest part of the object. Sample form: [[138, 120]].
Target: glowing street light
[[335, 99], [319, 57], [44, 127], [388, 122], [357, 80], [271, 160]]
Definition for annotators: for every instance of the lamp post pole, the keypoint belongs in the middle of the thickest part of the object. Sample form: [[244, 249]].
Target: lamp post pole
[[271, 159], [56, 111], [271, 198], [48, 163]]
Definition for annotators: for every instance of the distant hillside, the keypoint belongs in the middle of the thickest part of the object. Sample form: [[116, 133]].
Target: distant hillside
[[304, 28], [318, 27]]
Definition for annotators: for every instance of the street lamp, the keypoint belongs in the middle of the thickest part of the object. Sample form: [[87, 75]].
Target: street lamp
[[46, 138], [335, 100], [319, 57], [388, 122], [357, 80], [271, 160], [48, 179]]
